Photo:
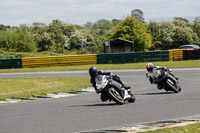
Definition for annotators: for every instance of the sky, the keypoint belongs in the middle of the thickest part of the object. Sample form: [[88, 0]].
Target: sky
[[16, 12]]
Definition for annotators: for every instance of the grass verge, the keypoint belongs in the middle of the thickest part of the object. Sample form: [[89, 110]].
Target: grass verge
[[192, 128], [28, 87], [169, 64]]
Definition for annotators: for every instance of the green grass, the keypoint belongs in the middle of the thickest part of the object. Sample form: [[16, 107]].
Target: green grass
[[169, 64], [28, 87], [192, 128]]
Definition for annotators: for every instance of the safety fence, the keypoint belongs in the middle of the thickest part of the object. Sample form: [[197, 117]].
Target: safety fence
[[176, 54], [59, 60], [10, 63], [133, 57], [109, 58], [191, 54]]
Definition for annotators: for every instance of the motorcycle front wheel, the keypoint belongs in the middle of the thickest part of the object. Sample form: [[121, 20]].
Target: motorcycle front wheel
[[115, 96], [170, 83]]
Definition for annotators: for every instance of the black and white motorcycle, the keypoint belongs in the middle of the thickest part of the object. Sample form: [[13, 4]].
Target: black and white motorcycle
[[113, 89], [164, 79]]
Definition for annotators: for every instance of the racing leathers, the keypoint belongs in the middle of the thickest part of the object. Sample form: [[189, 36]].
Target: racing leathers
[[149, 75], [104, 97]]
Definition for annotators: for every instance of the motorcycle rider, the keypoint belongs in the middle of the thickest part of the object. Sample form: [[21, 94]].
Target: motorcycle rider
[[150, 71], [94, 72]]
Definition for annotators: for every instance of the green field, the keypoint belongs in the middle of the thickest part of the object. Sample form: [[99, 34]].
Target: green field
[[193, 128], [29, 87]]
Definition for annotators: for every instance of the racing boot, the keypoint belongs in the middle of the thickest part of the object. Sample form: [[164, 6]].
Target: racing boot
[[129, 92]]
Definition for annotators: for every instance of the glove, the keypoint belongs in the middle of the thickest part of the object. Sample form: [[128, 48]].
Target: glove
[[96, 90]]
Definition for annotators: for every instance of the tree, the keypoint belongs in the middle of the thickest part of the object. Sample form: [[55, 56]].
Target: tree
[[168, 34], [183, 33], [103, 24], [38, 27], [155, 32], [182, 19], [116, 21], [59, 37], [3, 27], [17, 41], [182, 23], [196, 26], [95, 34], [133, 30], [138, 14], [167, 31], [88, 25]]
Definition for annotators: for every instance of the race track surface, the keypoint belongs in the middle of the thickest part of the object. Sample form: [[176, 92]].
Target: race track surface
[[86, 112]]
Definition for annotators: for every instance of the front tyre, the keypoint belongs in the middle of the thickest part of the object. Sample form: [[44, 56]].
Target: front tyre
[[115, 96], [171, 84]]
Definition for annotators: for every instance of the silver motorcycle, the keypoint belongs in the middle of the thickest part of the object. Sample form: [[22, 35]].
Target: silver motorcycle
[[113, 89], [165, 80]]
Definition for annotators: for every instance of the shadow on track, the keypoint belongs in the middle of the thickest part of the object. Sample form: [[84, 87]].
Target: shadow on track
[[157, 93], [94, 105]]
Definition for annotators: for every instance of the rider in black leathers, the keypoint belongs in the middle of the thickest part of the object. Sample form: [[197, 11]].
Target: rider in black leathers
[[94, 72]]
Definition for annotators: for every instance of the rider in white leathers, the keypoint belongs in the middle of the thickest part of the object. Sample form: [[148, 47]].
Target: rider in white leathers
[[152, 69]]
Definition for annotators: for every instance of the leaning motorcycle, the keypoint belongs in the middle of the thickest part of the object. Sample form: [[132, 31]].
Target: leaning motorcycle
[[165, 80], [113, 89]]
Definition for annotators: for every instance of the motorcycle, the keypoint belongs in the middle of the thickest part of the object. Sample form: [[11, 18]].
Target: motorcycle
[[113, 89], [166, 80]]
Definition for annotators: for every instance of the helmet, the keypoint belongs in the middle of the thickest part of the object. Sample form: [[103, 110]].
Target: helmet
[[149, 67], [93, 71]]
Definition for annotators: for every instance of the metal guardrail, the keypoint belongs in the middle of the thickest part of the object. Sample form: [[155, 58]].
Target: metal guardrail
[[191, 54], [132, 57], [67, 60], [176, 55], [109, 58], [10, 63]]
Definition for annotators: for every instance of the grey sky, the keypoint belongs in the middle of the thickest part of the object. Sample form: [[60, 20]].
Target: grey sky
[[15, 12]]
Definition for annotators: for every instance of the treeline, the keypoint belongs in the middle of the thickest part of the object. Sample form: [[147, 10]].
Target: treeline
[[65, 38], [171, 34]]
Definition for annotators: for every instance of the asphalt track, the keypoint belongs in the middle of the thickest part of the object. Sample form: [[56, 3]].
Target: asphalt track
[[86, 112]]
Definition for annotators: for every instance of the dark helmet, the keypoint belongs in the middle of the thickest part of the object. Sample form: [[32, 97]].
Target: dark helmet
[[149, 67], [93, 71]]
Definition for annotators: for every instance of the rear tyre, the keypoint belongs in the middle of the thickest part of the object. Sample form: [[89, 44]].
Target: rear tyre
[[115, 96]]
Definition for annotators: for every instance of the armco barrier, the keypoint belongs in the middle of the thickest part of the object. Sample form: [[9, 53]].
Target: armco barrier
[[133, 57], [176, 55], [109, 58], [10, 63], [59, 60], [191, 54]]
